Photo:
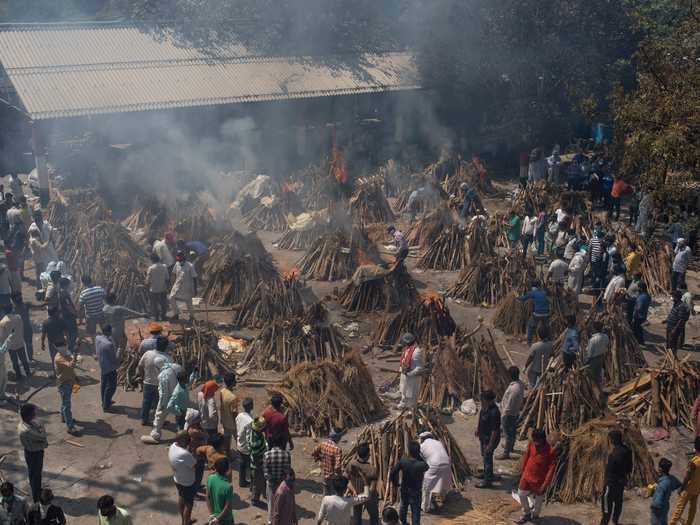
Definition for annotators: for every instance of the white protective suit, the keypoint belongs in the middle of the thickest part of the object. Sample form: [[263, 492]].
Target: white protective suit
[[438, 479], [167, 381], [577, 266], [183, 288], [410, 382]]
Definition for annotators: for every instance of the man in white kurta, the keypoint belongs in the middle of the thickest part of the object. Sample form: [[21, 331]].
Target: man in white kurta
[[438, 479], [412, 366], [577, 266], [185, 285]]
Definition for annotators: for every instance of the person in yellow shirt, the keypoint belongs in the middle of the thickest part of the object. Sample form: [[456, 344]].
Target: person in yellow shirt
[[690, 490], [228, 404], [633, 262], [65, 379]]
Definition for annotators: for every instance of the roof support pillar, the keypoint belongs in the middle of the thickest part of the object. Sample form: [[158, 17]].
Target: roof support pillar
[[39, 149]]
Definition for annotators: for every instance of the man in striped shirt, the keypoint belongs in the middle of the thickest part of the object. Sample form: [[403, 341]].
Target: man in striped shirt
[[597, 247], [91, 303]]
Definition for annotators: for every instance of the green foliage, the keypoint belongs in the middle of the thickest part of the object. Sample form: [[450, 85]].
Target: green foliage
[[658, 123]]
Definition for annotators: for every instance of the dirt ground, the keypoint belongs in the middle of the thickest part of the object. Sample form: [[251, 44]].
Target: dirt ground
[[109, 457]]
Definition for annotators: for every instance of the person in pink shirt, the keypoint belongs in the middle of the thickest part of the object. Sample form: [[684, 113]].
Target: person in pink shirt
[[284, 510]]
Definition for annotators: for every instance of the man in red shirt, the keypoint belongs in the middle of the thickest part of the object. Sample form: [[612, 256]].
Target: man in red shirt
[[276, 422], [538, 469]]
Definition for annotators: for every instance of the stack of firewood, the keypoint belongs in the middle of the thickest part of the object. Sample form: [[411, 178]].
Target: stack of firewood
[[284, 343], [427, 319], [369, 205], [337, 255], [447, 252], [301, 239], [327, 395], [583, 457], [657, 256], [424, 231], [489, 279], [662, 395], [237, 263], [271, 214], [271, 300], [512, 315], [382, 290], [388, 443]]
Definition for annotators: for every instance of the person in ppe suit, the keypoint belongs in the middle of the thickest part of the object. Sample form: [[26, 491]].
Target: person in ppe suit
[[577, 267], [185, 286], [438, 479], [412, 367], [167, 381]]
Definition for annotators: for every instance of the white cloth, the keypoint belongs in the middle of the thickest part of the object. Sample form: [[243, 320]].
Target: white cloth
[[157, 278], [598, 345], [513, 399], [570, 249], [150, 369], [337, 510], [558, 270], [183, 288], [182, 462], [243, 421], [12, 331], [561, 215], [577, 267], [525, 503], [409, 384], [681, 260], [161, 249], [529, 225], [208, 411], [616, 283], [438, 478]]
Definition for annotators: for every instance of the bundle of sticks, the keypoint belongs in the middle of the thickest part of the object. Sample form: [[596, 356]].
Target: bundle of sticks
[[73, 209], [373, 288], [428, 320], [301, 239], [563, 400], [535, 195], [284, 343], [267, 218], [478, 242], [237, 263], [511, 316], [447, 252], [197, 351], [465, 372], [498, 232], [194, 223], [662, 395], [150, 216], [329, 394], [428, 196], [369, 205], [583, 457], [271, 300], [127, 374], [424, 231], [657, 256], [625, 357], [388, 443], [487, 280], [337, 255]]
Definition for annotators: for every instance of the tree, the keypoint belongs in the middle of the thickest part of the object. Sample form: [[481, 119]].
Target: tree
[[658, 122]]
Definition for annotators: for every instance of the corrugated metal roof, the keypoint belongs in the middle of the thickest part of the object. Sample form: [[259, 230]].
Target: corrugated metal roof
[[61, 70]]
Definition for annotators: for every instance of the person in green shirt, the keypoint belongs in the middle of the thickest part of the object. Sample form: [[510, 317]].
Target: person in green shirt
[[220, 494], [514, 227], [110, 514]]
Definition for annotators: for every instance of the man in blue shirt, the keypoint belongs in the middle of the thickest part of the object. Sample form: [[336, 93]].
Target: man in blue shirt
[[540, 312], [641, 309]]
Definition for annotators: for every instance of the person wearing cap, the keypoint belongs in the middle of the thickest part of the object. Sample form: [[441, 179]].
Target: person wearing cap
[[330, 456], [438, 479], [155, 330], [149, 369], [412, 365], [680, 263], [208, 409], [400, 243], [185, 286], [257, 446], [163, 249], [157, 281]]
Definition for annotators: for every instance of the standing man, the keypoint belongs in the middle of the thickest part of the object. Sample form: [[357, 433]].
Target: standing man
[[257, 446], [12, 333], [571, 345], [438, 478], [489, 433], [284, 510], [537, 472], [109, 357], [276, 421], [400, 243], [277, 463], [69, 313], [149, 369], [619, 467], [116, 316], [185, 286], [182, 462], [596, 350], [65, 379], [92, 302], [511, 404], [690, 490], [220, 494], [558, 269], [228, 403], [514, 229], [54, 329], [616, 285], [680, 263], [539, 355], [528, 231], [34, 441], [541, 229], [412, 365], [164, 249], [598, 267], [329, 455], [675, 322], [363, 479], [540, 311], [157, 281], [412, 469], [337, 509], [243, 421], [640, 312], [167, 382]]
